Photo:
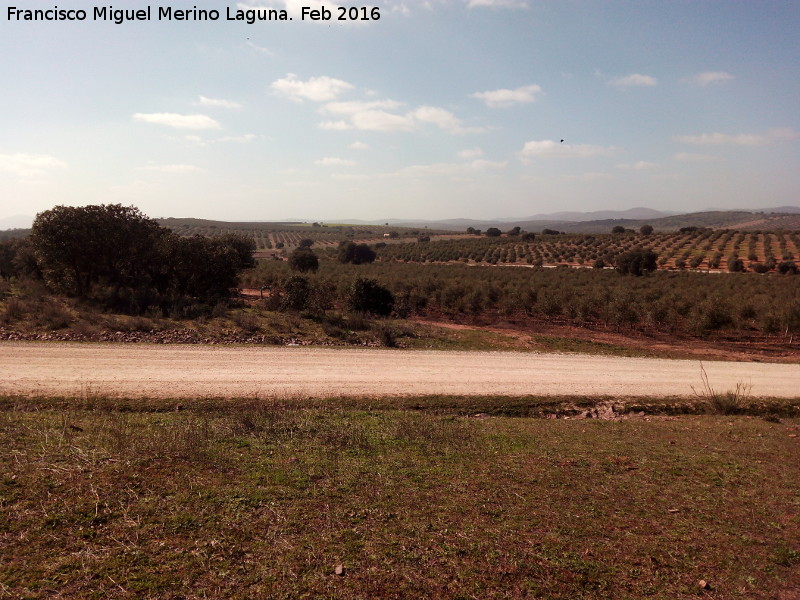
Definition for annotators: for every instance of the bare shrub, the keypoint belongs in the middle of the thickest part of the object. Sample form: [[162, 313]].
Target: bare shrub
[[725, 403], [246, 321]]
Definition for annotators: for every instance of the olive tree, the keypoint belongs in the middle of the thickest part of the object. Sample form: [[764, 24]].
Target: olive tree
[[636, 262], [303, 260]]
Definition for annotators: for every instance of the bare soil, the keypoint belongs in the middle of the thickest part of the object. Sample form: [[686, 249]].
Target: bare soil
[[721, 347], [190, 371]]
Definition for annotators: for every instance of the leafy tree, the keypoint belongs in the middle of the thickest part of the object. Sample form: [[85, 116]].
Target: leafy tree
[[306, 243], [79, 247], [367, 296], [618, 229], [514, 231], [547, 231], [200, 267], [296, 293], [646, 229], [304, 260], [493, 232], [8, 253], [636, 262], [117, 254], [528, 236], [787, 267], [358, 254], [735, 265], [346, 251]]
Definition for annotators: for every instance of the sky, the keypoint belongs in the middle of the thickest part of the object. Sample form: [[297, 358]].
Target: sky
[[436, 109]]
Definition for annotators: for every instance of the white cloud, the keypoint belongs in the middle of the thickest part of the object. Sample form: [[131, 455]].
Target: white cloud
[[178, 121], [470, 153], [482, 165], [634, 80], [637, 166], [442, 118], [316, 89], [358, 146], [29, 165], [503, 98], [401, 8], [330, 161], [243, 139], [367, 116], [217, 103], [334, 125], [551, 148], [195, 139], [350, 176], [356, 106], [375, 115], [380, 120], [741, 139], [709, 77], [451, 168], [498, 3], [171, 168], [689, 157], [596, 176], [261, 49]]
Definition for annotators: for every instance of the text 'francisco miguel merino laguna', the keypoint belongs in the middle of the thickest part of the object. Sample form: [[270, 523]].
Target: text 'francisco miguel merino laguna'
[[167, 13]]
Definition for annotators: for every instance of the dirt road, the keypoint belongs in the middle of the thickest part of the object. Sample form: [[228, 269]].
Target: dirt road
[[173, 371]]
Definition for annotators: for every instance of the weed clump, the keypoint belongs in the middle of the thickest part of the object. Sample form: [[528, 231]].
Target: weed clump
[[731, 402]]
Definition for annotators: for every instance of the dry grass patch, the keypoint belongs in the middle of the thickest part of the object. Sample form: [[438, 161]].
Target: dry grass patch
[[267, 499]]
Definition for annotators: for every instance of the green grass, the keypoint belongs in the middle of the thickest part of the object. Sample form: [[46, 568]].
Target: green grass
[[248, 499]]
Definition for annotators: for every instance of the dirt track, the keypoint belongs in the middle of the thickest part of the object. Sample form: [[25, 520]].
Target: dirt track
[[211, 371]]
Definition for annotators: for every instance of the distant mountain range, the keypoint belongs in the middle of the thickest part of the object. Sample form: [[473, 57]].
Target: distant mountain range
[[600, 221], [603, 220]]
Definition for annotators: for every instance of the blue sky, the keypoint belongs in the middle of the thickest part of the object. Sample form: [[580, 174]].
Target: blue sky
[[439, 109]]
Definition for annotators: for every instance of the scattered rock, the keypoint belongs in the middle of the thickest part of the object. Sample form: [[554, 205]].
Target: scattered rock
[[339, 570], [703, 585]]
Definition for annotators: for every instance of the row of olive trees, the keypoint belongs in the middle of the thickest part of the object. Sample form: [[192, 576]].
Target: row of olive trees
[[117, 255]]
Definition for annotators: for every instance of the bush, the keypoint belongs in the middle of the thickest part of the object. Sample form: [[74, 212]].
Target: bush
[[493, 232], [368, 297]]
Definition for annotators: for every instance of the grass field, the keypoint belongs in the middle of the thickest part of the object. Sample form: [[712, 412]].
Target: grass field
[[365, 498]]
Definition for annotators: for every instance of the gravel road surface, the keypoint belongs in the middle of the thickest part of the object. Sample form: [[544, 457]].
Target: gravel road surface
[[178, 371]]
